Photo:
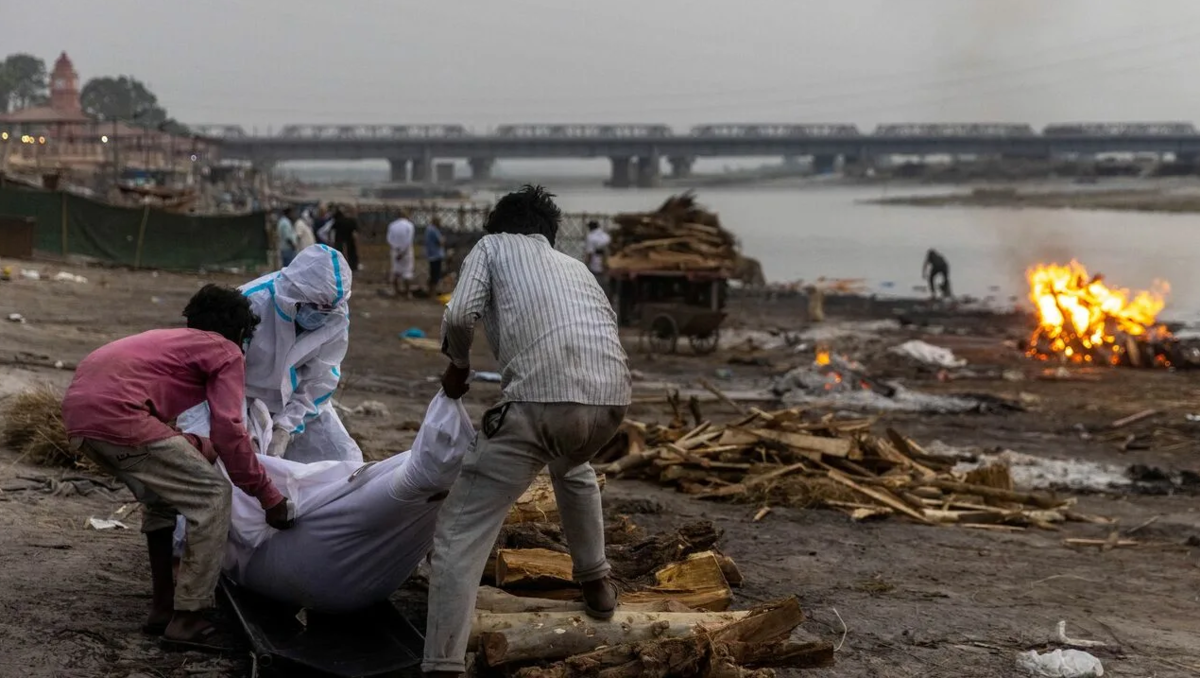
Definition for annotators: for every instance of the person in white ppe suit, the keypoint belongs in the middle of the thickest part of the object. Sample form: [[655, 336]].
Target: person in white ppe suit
[[293, 363]]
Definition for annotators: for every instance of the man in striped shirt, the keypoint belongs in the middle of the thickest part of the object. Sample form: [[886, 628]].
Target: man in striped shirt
[[566, 386]]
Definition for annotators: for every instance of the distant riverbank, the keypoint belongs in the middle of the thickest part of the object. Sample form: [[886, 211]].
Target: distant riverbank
[[1123, 199]]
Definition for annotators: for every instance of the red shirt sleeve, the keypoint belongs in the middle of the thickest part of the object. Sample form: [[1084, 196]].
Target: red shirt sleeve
[[226, 393]]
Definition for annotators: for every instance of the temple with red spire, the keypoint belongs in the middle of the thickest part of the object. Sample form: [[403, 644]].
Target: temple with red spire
[[61, 135]]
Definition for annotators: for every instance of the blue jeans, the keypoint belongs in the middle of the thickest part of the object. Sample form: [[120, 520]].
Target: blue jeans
[[286, 254]]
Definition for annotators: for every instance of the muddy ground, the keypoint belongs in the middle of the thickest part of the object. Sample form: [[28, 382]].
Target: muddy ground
[[898, 599]]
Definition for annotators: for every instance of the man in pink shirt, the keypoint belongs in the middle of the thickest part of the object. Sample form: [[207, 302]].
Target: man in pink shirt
[[119, 411]]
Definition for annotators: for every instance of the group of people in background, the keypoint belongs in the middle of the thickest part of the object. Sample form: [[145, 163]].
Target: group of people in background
[[337, 227]]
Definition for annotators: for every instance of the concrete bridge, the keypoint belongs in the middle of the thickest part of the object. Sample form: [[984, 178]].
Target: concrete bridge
[[637, 151]]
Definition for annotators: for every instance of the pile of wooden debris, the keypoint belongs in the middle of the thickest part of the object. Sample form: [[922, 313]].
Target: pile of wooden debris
[[679, 235], [788, 458], [673, 618]]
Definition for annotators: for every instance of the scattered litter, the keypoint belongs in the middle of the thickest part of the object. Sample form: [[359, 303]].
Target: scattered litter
[[102, 524], [1192, 417], [1012, 375], [413, 333], [370, 408], [928, 353], [1062, 638], [6, 273], [64, 276], [16, 318], [1060, 664], [156, 300], [860, 330], [491, 377], [30, 274], [58, 364]]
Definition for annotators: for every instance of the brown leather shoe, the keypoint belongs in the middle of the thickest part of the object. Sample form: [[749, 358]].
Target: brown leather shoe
[[600, 598]]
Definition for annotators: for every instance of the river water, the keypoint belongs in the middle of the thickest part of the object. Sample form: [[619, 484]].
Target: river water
[[810, 232]]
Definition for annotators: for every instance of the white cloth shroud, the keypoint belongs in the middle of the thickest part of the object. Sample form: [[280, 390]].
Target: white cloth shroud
[[357, 536]]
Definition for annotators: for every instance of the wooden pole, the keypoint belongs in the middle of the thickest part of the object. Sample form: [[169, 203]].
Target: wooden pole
[[137, 257]]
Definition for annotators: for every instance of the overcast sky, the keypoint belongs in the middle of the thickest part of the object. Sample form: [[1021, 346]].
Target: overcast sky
[[682, 62]]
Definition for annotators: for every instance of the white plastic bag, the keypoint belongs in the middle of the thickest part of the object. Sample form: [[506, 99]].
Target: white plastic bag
[[1060, 664]]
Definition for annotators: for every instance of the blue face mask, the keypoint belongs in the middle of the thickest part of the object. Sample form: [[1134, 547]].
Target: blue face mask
[[310, 318]]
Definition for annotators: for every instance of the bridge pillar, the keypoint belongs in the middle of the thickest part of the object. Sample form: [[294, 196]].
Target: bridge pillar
[[649, 171], [824, 164], [422, 170], [481, 168], [622, 176], [681, 167], [399, 170]]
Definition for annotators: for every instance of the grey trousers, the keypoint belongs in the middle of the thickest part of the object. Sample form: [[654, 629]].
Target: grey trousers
[[170, 477], [500, 466]]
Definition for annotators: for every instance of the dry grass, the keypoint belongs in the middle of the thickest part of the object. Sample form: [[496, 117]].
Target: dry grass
[[33, 427]]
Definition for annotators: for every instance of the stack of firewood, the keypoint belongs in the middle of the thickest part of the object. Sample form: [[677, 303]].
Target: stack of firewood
[[788, 458], [673, 619], [679, 235]]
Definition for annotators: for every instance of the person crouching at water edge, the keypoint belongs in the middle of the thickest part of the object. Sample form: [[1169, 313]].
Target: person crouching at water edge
[[117, 413], [293, 363], [565, 390]]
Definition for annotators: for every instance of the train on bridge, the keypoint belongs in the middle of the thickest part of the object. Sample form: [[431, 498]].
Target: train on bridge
[[325, 132]]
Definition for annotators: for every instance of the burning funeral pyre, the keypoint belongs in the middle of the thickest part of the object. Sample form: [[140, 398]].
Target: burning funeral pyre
[[1083, 320]]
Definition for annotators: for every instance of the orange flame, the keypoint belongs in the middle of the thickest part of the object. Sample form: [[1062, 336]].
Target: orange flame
[[1080, 317], [822, 357]]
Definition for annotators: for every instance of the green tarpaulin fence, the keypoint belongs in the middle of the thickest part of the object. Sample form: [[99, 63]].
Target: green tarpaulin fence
[[145, 237]]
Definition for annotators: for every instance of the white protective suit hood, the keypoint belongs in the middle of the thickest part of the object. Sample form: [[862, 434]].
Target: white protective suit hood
[[294, 376]]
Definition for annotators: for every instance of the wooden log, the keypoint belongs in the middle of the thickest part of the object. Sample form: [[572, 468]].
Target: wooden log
[[1028, 498], [708, 386], [1133, 418], [629, 462], [491, 599], [805, 652], [879, 494], [507, 638], [533, 568], [633, 562], [537, 504], [759, 638], [697, 582], [772, 621], [807, 444]]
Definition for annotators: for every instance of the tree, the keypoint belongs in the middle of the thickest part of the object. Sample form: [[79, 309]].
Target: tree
[[128, 100], [22, 82]]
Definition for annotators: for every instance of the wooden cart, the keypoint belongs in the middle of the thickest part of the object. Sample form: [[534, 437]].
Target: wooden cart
[[667, 305]]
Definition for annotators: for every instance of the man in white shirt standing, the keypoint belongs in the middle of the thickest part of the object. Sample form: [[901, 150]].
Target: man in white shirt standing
[[286, 233], [595, 253], [400, 234], [565, 389]]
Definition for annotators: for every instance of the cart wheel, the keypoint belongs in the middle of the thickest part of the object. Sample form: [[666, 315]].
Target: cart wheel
[[663, 334], [703, 345]]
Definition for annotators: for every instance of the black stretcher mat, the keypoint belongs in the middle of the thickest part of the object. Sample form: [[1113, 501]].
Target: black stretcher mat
[[376, 641]]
